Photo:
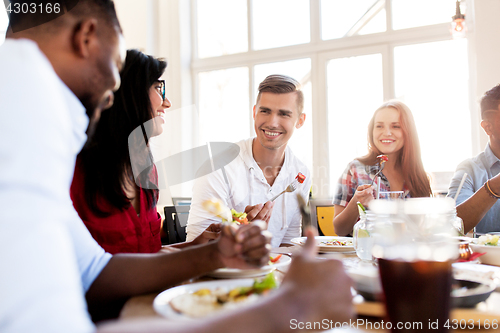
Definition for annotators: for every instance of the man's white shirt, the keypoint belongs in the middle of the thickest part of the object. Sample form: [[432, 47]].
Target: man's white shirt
[[246, 185], [49, 259]]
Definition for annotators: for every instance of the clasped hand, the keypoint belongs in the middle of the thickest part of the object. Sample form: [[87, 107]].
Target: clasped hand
[[244, 246], [321, 286]]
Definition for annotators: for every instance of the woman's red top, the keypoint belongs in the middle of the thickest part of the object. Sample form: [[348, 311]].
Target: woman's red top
[[122, 231]]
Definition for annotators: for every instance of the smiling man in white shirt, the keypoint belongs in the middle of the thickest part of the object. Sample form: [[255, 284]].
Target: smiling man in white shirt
[[264, 167]]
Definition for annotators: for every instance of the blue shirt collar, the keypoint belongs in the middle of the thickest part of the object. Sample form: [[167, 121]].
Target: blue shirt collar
[[490, 157]]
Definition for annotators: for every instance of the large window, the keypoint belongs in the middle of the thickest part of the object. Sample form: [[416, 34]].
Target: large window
[[431, 79], [214, 37], [355, 90], [340, 18], [350, 56], [279, 23], [223, 101]]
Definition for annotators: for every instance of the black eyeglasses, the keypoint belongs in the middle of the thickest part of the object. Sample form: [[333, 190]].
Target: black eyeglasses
[[162, 88]]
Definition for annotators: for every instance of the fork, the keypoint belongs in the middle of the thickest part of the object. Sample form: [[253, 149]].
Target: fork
[[305, 211], [379, 171], [292, 187]]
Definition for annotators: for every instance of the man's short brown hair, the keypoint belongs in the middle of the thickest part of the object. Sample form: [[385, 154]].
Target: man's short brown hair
[[490, 101], [282, 84]]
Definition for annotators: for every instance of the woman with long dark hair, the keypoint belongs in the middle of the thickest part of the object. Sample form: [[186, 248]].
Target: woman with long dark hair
[[391, 132], [118, 208]]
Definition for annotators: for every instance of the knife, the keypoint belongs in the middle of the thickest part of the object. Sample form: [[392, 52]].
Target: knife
[[305, 212]]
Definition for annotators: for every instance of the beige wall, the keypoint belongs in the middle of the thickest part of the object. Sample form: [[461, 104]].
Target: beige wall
[[133, 15], [484, 40], [156, 28]]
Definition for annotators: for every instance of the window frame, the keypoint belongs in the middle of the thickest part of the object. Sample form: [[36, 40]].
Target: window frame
[[320, 52]]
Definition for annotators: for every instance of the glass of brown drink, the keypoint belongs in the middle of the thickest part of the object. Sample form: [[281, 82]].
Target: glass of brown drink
[[414, 252]]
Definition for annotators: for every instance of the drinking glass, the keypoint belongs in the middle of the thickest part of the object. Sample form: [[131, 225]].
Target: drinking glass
[[415, 248], [363, 234], [391, 195]]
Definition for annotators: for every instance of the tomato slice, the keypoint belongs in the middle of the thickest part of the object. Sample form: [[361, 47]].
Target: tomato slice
[[275, 259]]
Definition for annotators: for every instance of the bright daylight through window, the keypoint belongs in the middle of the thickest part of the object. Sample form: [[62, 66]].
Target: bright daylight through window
[[350, 57]]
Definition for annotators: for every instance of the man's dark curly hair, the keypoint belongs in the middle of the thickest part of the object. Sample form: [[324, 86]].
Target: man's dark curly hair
[[490, 101], [36, 13]]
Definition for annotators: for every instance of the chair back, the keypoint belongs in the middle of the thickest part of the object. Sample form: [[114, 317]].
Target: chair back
[[181, 201], [322, 211], [175, 223]]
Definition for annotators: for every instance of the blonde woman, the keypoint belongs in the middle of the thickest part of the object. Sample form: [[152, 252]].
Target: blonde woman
[[391, 132]]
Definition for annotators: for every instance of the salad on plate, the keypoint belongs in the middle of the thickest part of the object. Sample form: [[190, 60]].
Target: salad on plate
[[205, 301], [491, 240], [276, 260]]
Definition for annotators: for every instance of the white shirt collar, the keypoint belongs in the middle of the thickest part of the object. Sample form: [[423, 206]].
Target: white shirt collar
[[249, 160]]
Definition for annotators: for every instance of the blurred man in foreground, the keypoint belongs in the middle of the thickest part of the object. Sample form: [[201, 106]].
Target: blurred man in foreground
[[54, 77]]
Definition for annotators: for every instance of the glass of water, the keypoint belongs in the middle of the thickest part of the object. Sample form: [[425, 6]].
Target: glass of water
[[391, 195]]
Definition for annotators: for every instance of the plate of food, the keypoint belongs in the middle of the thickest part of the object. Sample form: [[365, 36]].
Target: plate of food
[[485, 274], [469, 287], [329, 243], [198, 300], [218, 208], [489, 245], [466, 293], [275, 261]]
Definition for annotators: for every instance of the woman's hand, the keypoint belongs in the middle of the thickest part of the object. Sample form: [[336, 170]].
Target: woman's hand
[[364, 194], [244, 246], [320, 287]]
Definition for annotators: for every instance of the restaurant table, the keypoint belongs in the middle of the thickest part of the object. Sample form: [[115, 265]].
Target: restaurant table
[[371, 314]]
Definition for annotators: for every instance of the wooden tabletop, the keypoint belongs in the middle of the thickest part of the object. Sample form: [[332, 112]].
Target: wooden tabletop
[[371, 314]]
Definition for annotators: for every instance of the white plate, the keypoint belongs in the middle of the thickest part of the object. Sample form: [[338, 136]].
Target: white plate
[[231, 273], [477, 272], [366, 278], [491, 254], [161, 303], [327, 248]]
